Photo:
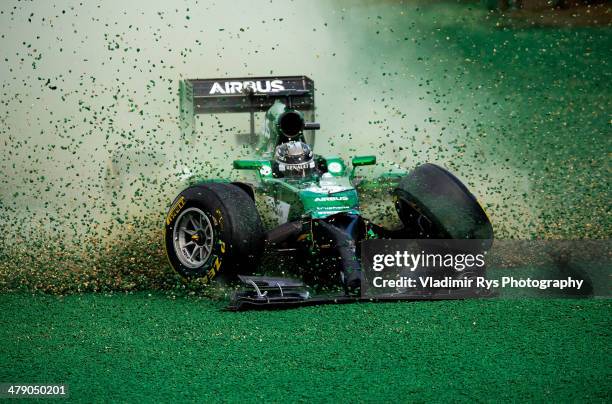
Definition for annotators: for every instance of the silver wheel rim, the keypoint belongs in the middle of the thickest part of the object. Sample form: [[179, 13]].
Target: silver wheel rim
[[193, 238]]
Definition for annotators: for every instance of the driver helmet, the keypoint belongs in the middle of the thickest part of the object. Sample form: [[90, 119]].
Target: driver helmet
[[294, 159]]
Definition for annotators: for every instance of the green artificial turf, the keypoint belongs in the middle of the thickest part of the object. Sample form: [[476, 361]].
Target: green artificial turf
[[149, 347]]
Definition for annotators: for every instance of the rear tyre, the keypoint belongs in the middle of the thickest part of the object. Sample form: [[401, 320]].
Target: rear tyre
[[213, 230], [432, 203]]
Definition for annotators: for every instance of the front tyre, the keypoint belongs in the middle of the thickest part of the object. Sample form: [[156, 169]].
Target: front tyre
[[432, 203], [213, 230]]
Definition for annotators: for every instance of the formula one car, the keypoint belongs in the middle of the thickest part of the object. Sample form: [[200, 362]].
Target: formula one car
[[214, 230]]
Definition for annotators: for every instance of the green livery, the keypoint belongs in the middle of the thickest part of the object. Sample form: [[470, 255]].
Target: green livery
[[214, 228]]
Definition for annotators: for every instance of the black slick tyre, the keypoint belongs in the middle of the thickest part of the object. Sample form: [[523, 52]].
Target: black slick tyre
[[432, 203], [213, 230]]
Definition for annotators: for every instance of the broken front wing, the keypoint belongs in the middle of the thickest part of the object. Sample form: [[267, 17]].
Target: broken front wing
[[264, 292]]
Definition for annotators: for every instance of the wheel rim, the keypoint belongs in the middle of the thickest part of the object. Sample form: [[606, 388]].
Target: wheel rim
[[193, 238]]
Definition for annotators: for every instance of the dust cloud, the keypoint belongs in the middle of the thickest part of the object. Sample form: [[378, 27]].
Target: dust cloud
[[91, 152]]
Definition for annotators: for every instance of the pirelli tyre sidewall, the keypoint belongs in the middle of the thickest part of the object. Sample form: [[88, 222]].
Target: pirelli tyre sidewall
[[237, 233], [438, 195]]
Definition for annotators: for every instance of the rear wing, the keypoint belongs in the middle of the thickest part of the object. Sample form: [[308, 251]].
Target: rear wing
[[246, 94]]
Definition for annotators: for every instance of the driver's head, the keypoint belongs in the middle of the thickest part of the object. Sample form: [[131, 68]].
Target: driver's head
[[295, 159]]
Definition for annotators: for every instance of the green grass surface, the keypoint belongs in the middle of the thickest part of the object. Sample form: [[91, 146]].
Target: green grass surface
[[145, 347]]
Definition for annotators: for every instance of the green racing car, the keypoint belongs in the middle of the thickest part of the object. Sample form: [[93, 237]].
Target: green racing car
[[213, 228]]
